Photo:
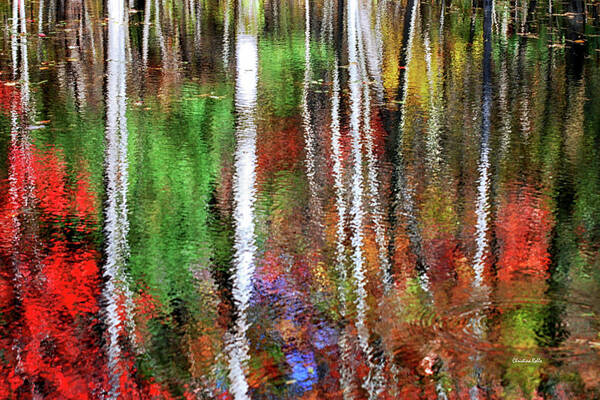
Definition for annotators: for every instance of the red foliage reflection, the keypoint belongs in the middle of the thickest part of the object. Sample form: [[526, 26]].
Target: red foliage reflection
[[522, 230], [50, 330]]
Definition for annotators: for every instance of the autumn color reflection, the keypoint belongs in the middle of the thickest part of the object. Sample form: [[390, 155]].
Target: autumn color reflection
[[303, 199]]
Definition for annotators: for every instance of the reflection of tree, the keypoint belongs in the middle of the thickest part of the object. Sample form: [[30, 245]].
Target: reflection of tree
[[244, 193], [310, 137], [403, 205], [117, 292], [50, 282]]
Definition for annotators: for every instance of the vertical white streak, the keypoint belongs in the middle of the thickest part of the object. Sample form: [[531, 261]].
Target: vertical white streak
[[482, 209], [158, 28], [90, 27], [77, 54], [24, 58], [482, 212], [146, 32], [226, 28], [380, 12], [357, 177], [411, 34], [327, 21], [338, 176], [505, 128], [40, 16], [21, 173], [356, 212], [51, 14], [374, 383], [128, 56], [116, 169], [309, 134], [356, 209], [525, 9], [197, 10], [372, 175], [405, 193], [346, 374], [244, 192], [372, 43], [14, 36], [19, 119], [442, 16], [433, 123]]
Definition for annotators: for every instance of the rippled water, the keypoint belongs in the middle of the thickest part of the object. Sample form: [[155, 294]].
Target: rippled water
[[306, 199]]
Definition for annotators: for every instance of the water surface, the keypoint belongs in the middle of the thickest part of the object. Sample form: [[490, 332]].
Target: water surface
[[305, 199]]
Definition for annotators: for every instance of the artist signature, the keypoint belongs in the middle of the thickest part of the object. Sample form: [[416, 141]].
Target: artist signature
[[532, 360]]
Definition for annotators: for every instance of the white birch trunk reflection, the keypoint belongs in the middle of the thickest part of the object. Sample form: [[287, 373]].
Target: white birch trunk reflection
[[197, 10], [483, 208], [244, 195], [116, 225], [40, 16], [505, 128], [146, 32], [21, 177], [346, 373], [327, 23], [356, 209], [21, 109], [14, 37], [314, 204], [432, 141], [158, 30], [404, 193], [435, 115], [357, 212], [226, 33], [370, 67]]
